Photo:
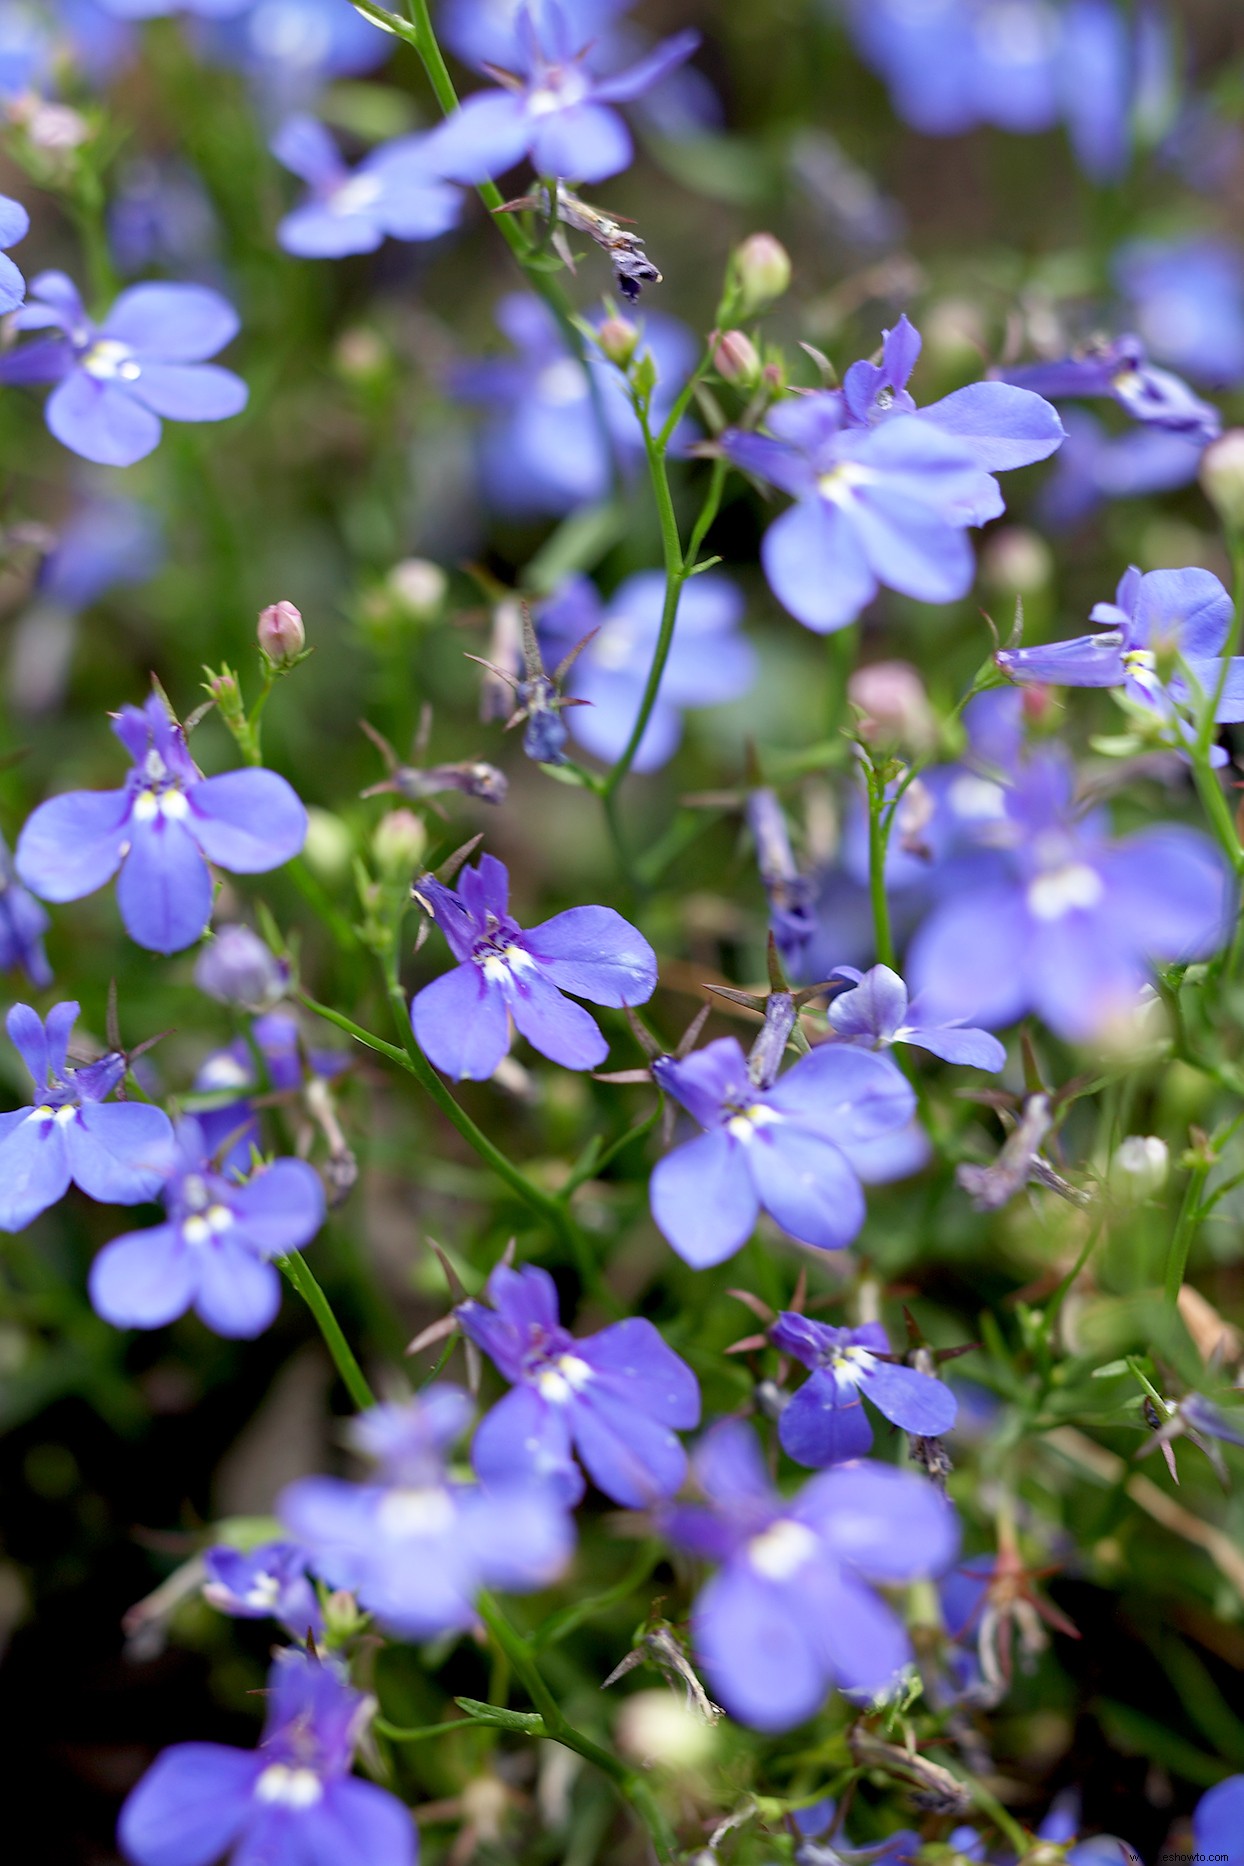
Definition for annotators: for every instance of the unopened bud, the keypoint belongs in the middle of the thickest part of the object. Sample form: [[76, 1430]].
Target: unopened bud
[[894, 705], [282, 636], [56, 128], [1016, 562], [224, 689], [343, 1617], [419, 586], [1222, 478], [659, 1729], [762, 269], [1139, 1167], [735, 357], [329, 847], [399, 842], [237, 968], [618, 339]]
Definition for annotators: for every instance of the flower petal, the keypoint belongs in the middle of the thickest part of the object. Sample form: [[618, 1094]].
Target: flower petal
[[247, 821], [807, 1185], [281, 1208], [586, 143], [101, 421], [596, 954], [142, 1280], [190, 1806], [558, 1027], [190, 391], [34, 1169], [703, 1200], [816, 566], [1004, 427], [632, 1357], [119, 1152], [912, 1400], [483, 138], [165, 889], [239, 1294], [174, 323], [825, 1423], [752, 1638], [889, 1525], [72, 844], [524, 1435], [359, 1824], [460, 1024]]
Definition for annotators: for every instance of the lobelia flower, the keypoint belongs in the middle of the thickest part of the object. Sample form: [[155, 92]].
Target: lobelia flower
[[615, 1399], [237, 967], [290, 49], [1187, 299], [1094, 465], [1071, 921], [709, 662], [116, 1152], [1119, 368], [1218, 1821], [483, 35], [14, 226], [291, 1801], [116, 379], [289, 1066], [462, 1020], [794, 1148], [792, 1611], [396, 191], [22, 926], [877, 1013], [415, 1546], [821, 1822], [161, 831], [552, 108], [213, 1253], [262, 1583], [824, 1422], [884, 491]]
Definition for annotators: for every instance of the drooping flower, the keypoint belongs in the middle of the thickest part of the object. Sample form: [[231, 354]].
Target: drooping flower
[[710, 661], [885, 491], [1119, 369], [825, 1422], [116, 379], [794, 1149], [462, 1020], [14, 226], [161, 831], [792, 1611], [116, 1152], [214, 1252], [414, 1545], [616, 1400], [395, 192], [268, 1582], [552, 108], [876, 1013], [290, 1801], [22, 926]]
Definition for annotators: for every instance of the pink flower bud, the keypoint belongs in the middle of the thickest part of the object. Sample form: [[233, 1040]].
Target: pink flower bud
[[618, 339], [894, 704], [734, 357], [1222, 478], [762, 270], [282, 637]]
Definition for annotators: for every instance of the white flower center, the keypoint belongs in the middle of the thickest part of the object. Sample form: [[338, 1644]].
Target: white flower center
[[561, 383], [1138, 658], [839, 484], [567, 1376], [356, 195], [743, 1125], [614, 647], [428, 1512], [213, 1223], [110, 361], [512, 959], [149, 804], [852, 1365], [292, 1788], [1062, 890], [780, 1550], [561, 90]]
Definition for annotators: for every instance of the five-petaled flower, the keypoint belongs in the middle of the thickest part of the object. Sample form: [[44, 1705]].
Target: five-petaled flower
[[290, 1801], [116, 1152], [462, 1019], [395, 191], [616, 1399], [824, 1422], [161, 830], [116, 379]]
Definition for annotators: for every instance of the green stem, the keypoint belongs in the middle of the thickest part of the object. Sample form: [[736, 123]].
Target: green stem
[[295, 1269], [1185, 1230], [879, 820], [396, 1734]]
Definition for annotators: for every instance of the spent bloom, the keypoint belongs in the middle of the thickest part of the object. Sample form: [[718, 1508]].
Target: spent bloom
[[615, 1400], [825, 1422], [396, 191], [792, 1611], [214, 1252], [161, 830], [291, 1800], [795, 1148], [14, 226], [116, 379], [462, 1020], [116, 1152], [268, 1582], [884, 490], [552, 107], [414, 1545], [877, 1014]]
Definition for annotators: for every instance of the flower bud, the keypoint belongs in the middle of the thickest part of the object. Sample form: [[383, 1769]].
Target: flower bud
[[1016, 561], [894, 705], [1222, 478], [762, 271], [329, 847], [282, 637], [343, 1618], [1139, 1167], [735, 358], [237, 968], [659, 1728], [399, 842], [419, 587], [618, 339]]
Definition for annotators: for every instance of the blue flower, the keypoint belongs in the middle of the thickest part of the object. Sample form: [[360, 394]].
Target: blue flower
[[790, 1149], [103, 542], [824, 1422], [237, 967], [262, 1583], [709, 662], [552, 108], [1119, 369], [395, 191], [290, 49], [115, 380], [288, 1802], [616, 1399], [792, 1611], [1094, 465], [1187, 299], [22, 926], [462, 1019], [877, 1013], [161, 831], [213, 1253], [14, 226], [1218, 1821], [414, 1546], [116, 1152], [289, 1066]]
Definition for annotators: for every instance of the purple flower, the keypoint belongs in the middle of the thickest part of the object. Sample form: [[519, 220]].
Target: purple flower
[[290, 1802], [262, 1583], [709, 662], [415, 1547], [1187, 299], [793, 1149], [552, 108], [1218, 1821], [213, 1253], [115, 380], [289, 49], [22, 926], [877, 1013], [488, 34], [14, 226], [116, 1152], [824, 1422], [793, 1612], [395, 191], [237, 967], [462, 1020], [615, 1399], [161, 830], [289, 1066], [1120, 370], [821, 1821], [884, 491], [105, 541], [1094, 465], [1070, 922]]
